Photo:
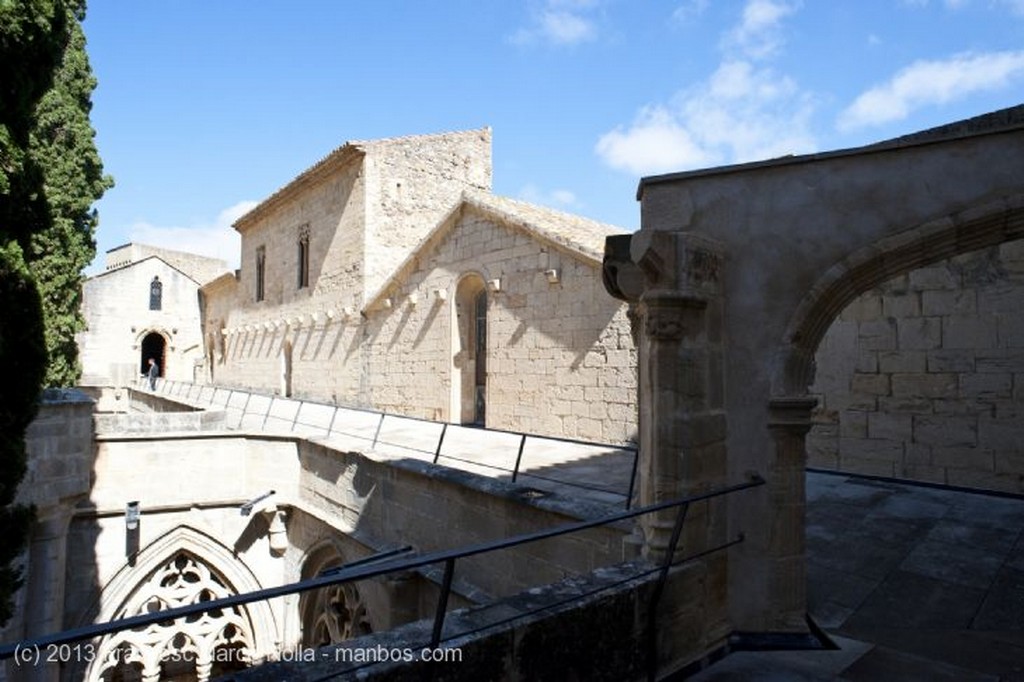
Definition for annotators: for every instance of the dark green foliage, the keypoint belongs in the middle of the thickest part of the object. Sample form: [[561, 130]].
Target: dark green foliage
[[62, 144], [50, 175], [22, 365]]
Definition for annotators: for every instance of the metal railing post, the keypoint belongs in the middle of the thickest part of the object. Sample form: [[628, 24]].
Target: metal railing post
[[632, 478], [440, 442], [377, 434], [519, 457], [442, 602], [659, 588]]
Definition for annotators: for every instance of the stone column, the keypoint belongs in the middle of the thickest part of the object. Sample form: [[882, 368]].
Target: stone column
[[789, 422], [672, 278]]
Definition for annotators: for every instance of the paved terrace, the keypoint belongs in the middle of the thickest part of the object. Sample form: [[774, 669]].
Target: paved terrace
[[912, 582]]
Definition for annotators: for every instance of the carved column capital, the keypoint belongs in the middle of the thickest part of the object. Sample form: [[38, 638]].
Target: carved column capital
[[791, 413]]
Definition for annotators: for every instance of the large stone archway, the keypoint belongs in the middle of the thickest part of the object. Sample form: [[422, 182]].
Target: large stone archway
[[737, 273]]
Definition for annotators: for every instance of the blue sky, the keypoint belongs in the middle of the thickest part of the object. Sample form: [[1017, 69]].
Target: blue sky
[[205, 108]]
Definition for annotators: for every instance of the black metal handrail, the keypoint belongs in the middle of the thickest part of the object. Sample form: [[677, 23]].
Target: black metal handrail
[[174, 388], [371, 567]]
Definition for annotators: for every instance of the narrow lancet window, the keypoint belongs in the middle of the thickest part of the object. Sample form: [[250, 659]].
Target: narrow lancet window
[[261, 272], [156, 294], [303, 254]]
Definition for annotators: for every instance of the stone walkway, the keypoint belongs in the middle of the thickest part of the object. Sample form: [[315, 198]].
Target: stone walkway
[[913, 583]]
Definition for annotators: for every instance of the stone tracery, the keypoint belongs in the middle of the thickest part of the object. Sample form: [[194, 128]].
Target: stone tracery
[[192, 648]]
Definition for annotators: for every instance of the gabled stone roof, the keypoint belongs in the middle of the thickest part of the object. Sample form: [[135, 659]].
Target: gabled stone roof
[[579, 237], [122, 268]]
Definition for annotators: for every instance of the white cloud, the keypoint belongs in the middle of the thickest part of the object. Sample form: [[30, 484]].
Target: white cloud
[[688, 10], [742, 111], [759, 34], [216, 238], [557, 198], [656, 142], [927, 83], [559, 22]]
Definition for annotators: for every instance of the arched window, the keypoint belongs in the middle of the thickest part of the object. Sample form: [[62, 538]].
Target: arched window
[[156, 294], [194, 648], [261, 271], [469, 381], [303, 255]]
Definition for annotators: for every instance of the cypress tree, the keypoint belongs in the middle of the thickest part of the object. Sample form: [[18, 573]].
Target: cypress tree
[[49, 177]]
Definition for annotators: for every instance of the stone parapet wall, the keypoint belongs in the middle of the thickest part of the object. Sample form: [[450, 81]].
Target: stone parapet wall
[[59, 447], [590, 627], [923, 377]]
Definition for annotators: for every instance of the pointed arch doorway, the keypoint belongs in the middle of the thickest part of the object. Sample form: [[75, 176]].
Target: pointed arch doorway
[[153, 346], [469, 385]]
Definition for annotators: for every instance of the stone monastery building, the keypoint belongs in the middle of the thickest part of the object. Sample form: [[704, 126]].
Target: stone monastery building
[[388, 276]]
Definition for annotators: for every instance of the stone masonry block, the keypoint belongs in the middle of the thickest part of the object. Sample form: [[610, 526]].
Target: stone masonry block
[[968, 332], [868, 467], [923, 472], [877, 335], [987, 480], [919, 333], [864, 308], [1002, 298], [901, 305], [871, 384], [924, 385], [862, 448], [1003, 435], [946, 430], [957, 302], [937, 277], [890, 426], [902, 361], [964, 457], [867, 361], [1010, 330], [1000, 360], [907, 404], [986, 385], [854, 424], [917, 453], [1010, 462], [959, 360]]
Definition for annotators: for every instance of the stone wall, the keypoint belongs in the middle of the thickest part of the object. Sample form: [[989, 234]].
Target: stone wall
[[59, 447], [411, 183], [923, 377], [560, 358], [117, 315]]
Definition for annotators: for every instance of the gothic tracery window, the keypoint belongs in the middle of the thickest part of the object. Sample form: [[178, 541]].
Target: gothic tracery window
[[334, 613], [197, 647]]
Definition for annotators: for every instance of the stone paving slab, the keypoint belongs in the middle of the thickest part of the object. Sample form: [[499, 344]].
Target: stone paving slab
[[913, 582]]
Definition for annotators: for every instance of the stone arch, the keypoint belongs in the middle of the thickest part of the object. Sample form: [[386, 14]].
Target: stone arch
[[986, 224], [153, 343], [332, 614], [183, 566], [469, 350]]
